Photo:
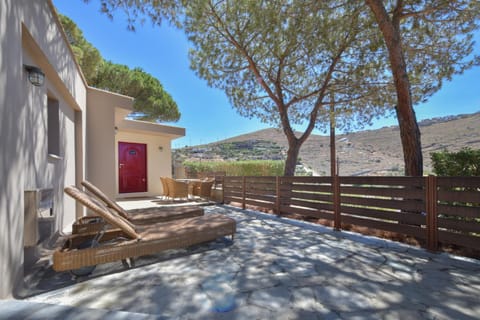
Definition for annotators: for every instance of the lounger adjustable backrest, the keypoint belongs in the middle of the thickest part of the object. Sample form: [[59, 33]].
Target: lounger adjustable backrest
[[99, 193], [102, 211]]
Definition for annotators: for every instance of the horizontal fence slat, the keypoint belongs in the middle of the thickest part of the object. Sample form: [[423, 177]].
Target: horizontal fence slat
[[411, 205], [260, 180], [393, 227], [261, 192], [459, 225], [460, 211], [404, 217], [289, 193], [260, 177], [308, 187], [471, 182], [305, 179], [459, 239], [233, 185], [232, 199], [227, 188], [397, 181], [232, 194], [285, 194], [232, 179], [311, 196], [255, 185], [307, 213], [261, 204], [309, 204], [460, 196], [386, 192], [260, 197]]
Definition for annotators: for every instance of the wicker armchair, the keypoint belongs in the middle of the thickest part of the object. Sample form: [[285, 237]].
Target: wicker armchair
[[177, 189], [164, 187], [203, 189]]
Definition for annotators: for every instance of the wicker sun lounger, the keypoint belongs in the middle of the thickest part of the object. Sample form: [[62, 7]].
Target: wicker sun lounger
[[128, 241], [135, 216]]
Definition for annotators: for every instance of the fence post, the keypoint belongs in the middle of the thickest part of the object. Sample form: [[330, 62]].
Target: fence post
[[337, 220], [277, 199], [243, 192], [431, 207]]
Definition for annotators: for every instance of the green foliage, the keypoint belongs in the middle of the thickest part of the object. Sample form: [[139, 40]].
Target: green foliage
[[237, 168], [301, 171], [232, 151], [465, 162], [88, 57], [437, 39], [152, 102], [137, 11], [284, 61]]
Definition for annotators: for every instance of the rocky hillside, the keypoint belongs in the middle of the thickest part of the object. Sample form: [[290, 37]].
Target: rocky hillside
[[370, 152]]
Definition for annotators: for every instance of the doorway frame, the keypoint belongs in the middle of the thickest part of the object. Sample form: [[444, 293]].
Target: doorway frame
[[118, 167]]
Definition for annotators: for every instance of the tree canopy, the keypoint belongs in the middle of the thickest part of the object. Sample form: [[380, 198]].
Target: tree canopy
[[428, 42], [437, 39], [263, 55], [268, 55], [88, 57], [152, 102]]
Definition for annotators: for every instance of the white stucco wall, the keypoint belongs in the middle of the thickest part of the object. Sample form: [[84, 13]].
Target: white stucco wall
[[101, 120], [30, 34]]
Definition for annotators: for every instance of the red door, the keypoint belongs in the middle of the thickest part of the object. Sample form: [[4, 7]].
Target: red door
[[132, 167]]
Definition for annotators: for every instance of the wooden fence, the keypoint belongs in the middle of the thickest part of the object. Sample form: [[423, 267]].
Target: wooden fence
[[436, 209]]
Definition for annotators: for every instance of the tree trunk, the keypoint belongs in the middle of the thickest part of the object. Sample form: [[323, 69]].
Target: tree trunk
[[333, 151], [292, 157], [407, 122], [411, 144]]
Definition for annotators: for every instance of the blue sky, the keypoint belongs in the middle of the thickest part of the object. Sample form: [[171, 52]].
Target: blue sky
[[206, 113]]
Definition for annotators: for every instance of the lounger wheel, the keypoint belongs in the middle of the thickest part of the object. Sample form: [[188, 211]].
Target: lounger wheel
[[128, 263], [85, 271]]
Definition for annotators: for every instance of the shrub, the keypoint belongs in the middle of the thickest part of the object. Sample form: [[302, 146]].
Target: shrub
[[465, 162], [237, 168]]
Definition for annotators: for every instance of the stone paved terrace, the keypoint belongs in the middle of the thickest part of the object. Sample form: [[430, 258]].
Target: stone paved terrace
[[274, 269]]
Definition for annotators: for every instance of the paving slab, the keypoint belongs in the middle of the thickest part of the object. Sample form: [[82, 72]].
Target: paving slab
[[276, 268], [28, 310]]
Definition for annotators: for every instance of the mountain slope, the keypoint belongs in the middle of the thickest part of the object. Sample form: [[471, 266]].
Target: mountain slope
[[369, 152]]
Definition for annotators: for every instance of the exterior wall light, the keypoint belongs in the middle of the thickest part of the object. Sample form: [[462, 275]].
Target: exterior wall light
[[35, 75]]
